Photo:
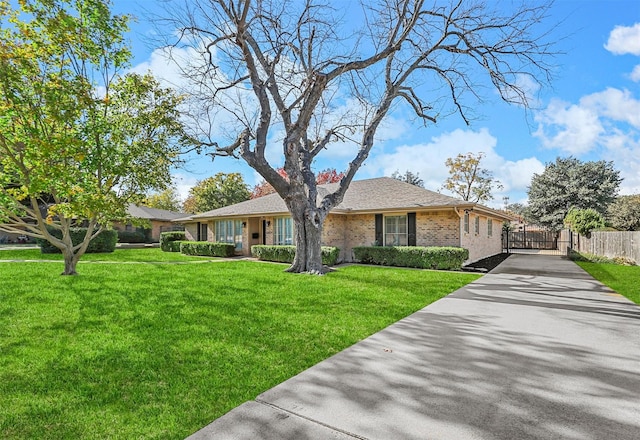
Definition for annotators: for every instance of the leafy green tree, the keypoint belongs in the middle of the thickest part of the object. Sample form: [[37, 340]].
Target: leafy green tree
[[215, 192], [570, 183], [624, 213], [167, 199], [583, 221], [408, 177], [517, 209], [75, 151], [468, 179]]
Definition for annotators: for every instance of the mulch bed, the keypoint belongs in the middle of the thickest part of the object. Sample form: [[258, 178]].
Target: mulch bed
[[486, 264]]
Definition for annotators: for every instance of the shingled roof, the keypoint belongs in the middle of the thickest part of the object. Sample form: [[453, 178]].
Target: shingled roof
[[370, 195], [147, 213]]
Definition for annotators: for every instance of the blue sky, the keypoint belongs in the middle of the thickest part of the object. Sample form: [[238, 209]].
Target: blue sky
[[591, 110]]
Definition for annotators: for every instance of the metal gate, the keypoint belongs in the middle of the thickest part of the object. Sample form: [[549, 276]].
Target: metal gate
[[532, 241]]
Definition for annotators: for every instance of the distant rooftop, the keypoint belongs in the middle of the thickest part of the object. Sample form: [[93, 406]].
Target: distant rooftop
[[147, 213]]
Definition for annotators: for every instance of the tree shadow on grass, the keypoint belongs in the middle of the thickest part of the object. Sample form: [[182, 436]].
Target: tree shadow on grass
[[492, 361]]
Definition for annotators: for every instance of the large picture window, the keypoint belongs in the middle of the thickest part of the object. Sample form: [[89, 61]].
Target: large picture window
[[229, 231], [283, 231], [395, 230]]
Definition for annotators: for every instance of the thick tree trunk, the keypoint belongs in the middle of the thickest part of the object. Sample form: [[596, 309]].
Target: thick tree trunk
[[70, 262], [308, 234]]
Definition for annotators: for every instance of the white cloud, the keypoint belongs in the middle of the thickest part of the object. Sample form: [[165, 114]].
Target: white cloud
[[606, 123], [623, 148], [165, 65], [580, 128], [624, 40], [617, 105], [516, 176], [183, 183], [527, 85], [574, 129], [428, 160], [635, 74]]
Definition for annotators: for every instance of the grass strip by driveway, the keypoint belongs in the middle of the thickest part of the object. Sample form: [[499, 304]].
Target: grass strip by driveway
[[157, 351], [622, 279]]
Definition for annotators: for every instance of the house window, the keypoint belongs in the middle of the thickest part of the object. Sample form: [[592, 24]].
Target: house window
[[490, 228], [229, 231], [466, 222], [283, 231], [477, 225], [395, 230], [128, 227]]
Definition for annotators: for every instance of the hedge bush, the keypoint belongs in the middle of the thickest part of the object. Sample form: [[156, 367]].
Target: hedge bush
[[104, 242], [207, 249], [286, 254], [174, 246], [444, 258], [132, 237], [168, 240]]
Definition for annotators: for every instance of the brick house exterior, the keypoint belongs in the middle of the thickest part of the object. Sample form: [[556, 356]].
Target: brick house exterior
[[160, 220], [382, 211]]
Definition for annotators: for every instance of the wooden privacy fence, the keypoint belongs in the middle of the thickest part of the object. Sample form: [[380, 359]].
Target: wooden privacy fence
[[608, 244]]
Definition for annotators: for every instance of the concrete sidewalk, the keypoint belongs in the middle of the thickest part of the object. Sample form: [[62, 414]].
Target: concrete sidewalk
[[536, 349]]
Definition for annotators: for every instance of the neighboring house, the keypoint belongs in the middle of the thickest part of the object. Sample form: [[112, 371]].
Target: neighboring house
[[161, 220], [381, 211]]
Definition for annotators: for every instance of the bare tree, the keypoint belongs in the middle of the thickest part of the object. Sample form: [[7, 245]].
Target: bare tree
[[294, 73]]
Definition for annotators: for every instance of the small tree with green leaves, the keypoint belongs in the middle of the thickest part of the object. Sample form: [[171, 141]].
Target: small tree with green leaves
[[583, 221], [468, 179], [167, 199], [624, 213], [79, 141], [215, 192]]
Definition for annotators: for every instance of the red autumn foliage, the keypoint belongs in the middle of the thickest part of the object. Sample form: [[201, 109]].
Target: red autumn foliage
[[330, 175]]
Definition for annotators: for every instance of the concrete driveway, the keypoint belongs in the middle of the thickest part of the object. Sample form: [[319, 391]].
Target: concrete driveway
[[536, 349]]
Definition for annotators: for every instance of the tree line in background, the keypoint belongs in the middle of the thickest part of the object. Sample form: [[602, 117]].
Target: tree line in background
[[580, 195]]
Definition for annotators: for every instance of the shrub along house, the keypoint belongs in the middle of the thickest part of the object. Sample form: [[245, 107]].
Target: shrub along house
[[381, 211]]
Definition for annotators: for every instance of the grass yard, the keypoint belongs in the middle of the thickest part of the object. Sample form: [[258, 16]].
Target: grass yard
[[157, 351], [622, 279], [148, 255]]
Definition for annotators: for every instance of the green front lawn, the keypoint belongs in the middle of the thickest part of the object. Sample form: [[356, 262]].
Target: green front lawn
[[622, 279], [152, 255], [157, 351]]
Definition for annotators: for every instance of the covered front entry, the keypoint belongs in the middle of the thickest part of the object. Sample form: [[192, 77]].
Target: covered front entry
[[256, 232]]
